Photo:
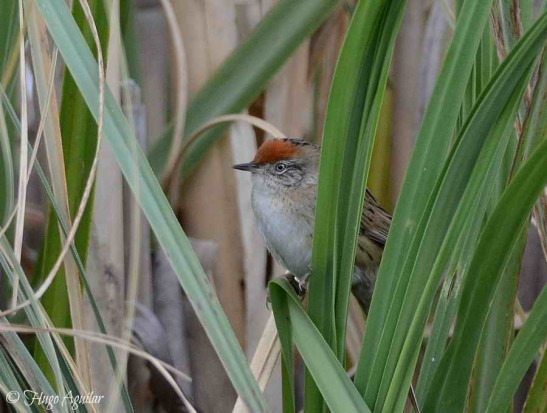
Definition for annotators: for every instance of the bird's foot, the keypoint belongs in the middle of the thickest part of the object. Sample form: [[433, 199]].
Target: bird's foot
[[300, 286]]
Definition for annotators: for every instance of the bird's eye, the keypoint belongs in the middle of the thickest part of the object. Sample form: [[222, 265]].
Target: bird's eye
[[280, 167]]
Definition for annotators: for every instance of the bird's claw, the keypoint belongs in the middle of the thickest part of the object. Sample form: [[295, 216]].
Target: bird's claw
[[300, 287]]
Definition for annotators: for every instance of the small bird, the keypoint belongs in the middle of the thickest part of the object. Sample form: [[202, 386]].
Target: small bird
[[284, 175]]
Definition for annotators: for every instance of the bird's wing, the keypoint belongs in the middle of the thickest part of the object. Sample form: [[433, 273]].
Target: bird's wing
[[375, 221]]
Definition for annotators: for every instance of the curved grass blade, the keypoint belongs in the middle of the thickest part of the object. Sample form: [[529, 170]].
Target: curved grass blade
[[8, 31], [70, 141], [34, 312], [498, 332], [77, 258], [284, 330], [445, 228], [535, 126], [336, 387], [242, 77], [352, 117], [537, 398], [451, 382], [7, 179], [460, 190], [83, 278], [427, 161], [523, 351], [163, 222], [22, 360], [8, 378]]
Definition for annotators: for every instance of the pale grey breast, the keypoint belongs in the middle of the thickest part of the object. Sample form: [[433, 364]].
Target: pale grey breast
[[287, 231]]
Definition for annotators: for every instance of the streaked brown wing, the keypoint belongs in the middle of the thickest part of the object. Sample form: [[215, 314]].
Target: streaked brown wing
[[375, 221]]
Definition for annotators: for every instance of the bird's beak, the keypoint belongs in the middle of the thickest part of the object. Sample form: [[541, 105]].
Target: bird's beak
[[249, 167]]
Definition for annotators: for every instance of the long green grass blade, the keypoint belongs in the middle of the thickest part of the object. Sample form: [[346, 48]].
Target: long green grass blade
[[83, 278], [23, 361], [8, 377], [284, 330], [526, 13], [352, 117], [339, 392], [163, 222], [463, 248], [485, 62], [241, 78], [496, 244], [351, 121], [77, 259], [535, 126], [438, 337], [7, 178], [536, 401], [130, 41], [427, 160], [497, 333], [8, 31], [445, 217], [522, 353], [471, 208], [34, 312], [79, 136]]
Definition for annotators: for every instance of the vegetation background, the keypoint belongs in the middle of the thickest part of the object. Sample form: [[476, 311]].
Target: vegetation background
[[85, 224]]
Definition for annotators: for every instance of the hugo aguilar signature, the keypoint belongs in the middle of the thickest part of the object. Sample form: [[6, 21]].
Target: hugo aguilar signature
[[49, 400]]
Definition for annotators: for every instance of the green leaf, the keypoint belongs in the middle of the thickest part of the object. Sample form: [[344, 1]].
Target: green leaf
[[425, 167], [83, 278], [352, 117], [242, 77], [440, 330], [155, 206], [458, 205], [34, 313], [283, 324], [523, 351], [8, 32], [485, 63], [536, 402], [339, 392], [82, 271], [130, 40], [9, 28], [7, 178], [79, 138], [495, 246], [497, 333], [9, 382], [462, 250], [535, 126], [395, 354], [21, 364]]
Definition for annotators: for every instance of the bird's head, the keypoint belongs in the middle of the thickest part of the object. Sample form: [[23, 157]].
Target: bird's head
[[284, 163]]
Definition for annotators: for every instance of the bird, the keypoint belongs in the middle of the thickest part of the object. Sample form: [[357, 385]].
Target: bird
[[284, 192], [285, 174]]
